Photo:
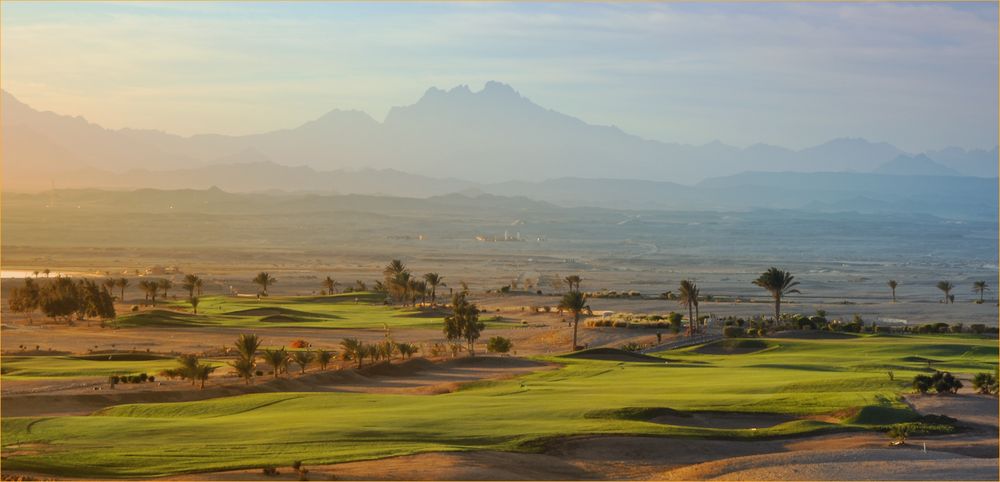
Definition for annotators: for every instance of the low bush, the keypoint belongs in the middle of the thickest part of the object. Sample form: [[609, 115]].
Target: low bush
[[733, 332], [985, 383], [499, 344]]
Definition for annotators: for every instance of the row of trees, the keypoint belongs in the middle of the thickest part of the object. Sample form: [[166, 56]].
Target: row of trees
[[63, 298], [405, 287], [946, 287]]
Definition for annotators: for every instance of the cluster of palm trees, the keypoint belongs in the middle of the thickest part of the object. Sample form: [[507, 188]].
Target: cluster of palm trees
[[152, 288], [405, 287], [946, 287], [264, 280], [247, 346], [357, 350], [190, 368]]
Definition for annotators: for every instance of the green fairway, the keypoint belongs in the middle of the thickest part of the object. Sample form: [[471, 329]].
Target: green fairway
[[101, 365], [344, 311], [799, 377]]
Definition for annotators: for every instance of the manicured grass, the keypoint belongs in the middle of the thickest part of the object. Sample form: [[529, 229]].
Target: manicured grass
[[583, 397], [344, 311], [42, 367]]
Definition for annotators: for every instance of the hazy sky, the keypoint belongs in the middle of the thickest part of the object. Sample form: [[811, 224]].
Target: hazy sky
[[917, 75]]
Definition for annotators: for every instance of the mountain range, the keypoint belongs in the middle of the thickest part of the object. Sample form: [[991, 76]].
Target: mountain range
[[493, 135], [496, 142]]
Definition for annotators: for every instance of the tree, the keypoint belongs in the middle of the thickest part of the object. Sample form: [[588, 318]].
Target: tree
[[194, 303], [25, 299], [985, 383], [981, 287], [150, 288], [278, 359], [122, 283], [406, 350], [688, 296], [323, 357], [360, 286], [202, 372], [108, 284], [946, 287], [264, 280], [192, 284], [190, 368], [303, 358], [892, 285], [244, 367], [434, 280], [573, 282], [247, 345], [574, 302], [464, 322], [499, 344], [46, 271], [95, 302], [165, 284], [330, 285], [779, 283], [59, 299], [353, 350]]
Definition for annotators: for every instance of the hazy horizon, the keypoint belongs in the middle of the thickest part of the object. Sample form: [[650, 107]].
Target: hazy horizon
[[920, 77]]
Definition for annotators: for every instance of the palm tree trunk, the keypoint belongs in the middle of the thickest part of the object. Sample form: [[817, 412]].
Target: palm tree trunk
[[894, 295], [981, 295], [777, 308], [690, 320], [576, 322]]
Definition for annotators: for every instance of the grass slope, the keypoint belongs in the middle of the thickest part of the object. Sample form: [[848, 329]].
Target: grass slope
[[583, 397], [345, 311]]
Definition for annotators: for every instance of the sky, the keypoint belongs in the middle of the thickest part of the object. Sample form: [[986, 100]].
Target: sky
[[920, 76]]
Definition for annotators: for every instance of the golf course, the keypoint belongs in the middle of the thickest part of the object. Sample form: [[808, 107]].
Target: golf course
[[761, 389]]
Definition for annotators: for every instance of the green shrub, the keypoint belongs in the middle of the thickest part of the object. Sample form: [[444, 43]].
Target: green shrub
[[985, 383], [632, 347], [898, 433], [499, 344], [733, 332]]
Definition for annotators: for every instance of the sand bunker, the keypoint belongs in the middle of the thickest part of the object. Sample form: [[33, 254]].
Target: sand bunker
[[612, 354], [270, 311]]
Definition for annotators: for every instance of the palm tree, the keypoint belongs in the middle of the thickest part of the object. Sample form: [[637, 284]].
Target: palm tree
[[165, 284], [192, 283], [121, 283], [109, 285], [434, 280], [244, 367], [194, 303], [688, 296], [574, 302], [247, 345], [394, 268], [264, 280], [946, 287], [277, 359], [303, 359], [399, 285], [323, 357], [573, 281], [36, 273], [779, 283], [981, 287], [202, 372], [330, 285], [892, 285], [151, 288], [353, 350], [46, 271]]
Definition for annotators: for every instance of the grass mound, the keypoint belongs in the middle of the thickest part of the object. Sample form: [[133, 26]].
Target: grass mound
[[812, 335], [121, 357], [280, 319], [880, 415], [919, 359], [269, 311], [612, 354], [733, 347], [158, 318]]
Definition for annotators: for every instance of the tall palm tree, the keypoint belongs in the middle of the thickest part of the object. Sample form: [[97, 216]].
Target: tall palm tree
[[109, 285], [46, 271], [981, 287], [779, 283], [892, 285], [191, 284], [434, 280], [303, 358], [264, 279], [165, 285], [151, 288], [353, 350], [247, 345], [244, 368], [573, 282], [394, 268], [399, 285], [688, 296], [946, 287], [122, 283], [574, 302], [323, 357], [330, 285], [278, 359], [202, 372]]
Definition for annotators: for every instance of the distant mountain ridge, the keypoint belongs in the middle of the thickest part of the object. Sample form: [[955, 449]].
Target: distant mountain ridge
[[493, 135]]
